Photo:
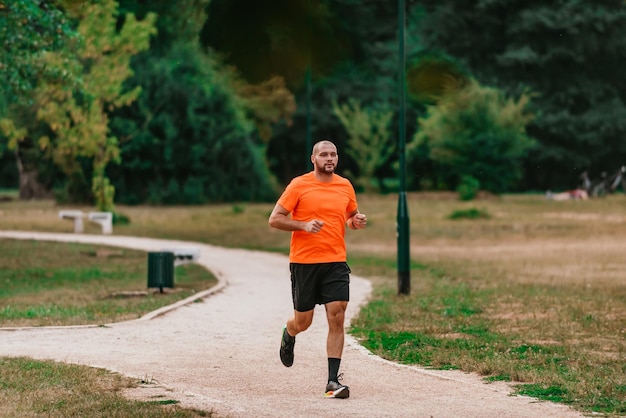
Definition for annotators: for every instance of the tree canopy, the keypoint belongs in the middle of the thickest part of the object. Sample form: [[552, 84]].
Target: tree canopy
[[568, 52], [28, 30], [218, 106], [72, 119]]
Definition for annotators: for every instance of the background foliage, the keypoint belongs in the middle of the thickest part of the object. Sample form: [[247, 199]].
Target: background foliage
[[186, 140], [475, 132], [226, 97], [566, 51]]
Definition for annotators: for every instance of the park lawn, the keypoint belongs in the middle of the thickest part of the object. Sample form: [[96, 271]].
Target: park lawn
[[531, 292], [33, 388], [50, 283], [45, 283]]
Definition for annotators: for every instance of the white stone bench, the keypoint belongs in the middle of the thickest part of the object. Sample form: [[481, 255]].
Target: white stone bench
[[105, 219], [184, 255], [76, 216]]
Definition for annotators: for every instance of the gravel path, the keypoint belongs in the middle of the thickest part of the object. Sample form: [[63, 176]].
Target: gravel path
[[221, 353]]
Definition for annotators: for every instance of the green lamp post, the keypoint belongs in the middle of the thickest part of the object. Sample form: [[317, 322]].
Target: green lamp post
[[404, 261]]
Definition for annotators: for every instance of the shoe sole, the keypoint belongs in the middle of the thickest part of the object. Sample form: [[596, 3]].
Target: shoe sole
[[341, 393]]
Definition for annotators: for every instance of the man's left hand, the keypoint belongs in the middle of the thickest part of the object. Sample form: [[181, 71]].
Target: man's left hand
[[359, 221]]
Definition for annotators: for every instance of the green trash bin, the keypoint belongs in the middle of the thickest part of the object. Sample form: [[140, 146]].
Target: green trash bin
[[160, 270]]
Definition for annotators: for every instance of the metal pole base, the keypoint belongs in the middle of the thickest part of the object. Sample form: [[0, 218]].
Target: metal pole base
[[404, 283]]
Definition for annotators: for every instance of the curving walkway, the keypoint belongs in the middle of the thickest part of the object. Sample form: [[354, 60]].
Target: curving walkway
[[221, 354]]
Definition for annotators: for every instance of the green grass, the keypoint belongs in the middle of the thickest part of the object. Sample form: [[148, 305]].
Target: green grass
[[471, 213], [452, 326], [534, 295], [45, 283], [43, 388], [69, 284], [559, 342]]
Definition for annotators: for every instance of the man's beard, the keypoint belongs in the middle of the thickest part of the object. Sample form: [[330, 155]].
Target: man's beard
[[322, 168]]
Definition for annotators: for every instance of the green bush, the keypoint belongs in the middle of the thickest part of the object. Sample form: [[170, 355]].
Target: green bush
[[120, 219], [471, 213], [468, 188], [477, 132]]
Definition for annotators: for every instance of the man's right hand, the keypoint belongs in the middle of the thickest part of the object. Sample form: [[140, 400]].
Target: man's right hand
[[314, 226]]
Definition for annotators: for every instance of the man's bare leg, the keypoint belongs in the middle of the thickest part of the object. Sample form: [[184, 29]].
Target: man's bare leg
[[335, 313], [300, 321]]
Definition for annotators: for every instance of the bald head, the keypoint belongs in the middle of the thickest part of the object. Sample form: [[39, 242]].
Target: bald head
[[319, 144]]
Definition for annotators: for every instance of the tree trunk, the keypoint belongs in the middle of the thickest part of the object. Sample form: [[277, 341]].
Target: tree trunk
[[30, 186]]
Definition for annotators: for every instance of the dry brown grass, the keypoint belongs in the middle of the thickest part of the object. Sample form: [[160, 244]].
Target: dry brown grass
[[533, 240], [527, 241]]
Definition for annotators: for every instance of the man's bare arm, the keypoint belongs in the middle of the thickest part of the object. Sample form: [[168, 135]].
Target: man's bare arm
[[280, 219]]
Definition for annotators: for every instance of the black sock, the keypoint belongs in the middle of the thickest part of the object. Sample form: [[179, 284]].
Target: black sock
[[333, 368]]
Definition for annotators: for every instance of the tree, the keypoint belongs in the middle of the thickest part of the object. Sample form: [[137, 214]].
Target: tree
[[475, 132], [365, 71], [75, 119], [569, 52], [190, 137], [283, 38], [80, 124], [267, 103], [187, 139], [28, 30], [369, 143], [178, 21]]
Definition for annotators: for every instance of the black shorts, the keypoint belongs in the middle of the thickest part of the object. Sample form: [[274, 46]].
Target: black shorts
[[318, 284]]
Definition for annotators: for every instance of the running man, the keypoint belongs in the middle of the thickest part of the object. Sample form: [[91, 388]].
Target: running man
[[321, 204]]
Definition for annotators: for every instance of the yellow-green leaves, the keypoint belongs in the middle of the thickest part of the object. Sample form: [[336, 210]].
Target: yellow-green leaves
[[78, 118], [369, 142]]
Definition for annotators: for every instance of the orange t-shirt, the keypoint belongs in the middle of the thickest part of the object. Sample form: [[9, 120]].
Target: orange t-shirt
[[307, 198]]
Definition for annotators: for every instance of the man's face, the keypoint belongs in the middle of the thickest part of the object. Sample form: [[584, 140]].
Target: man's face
[[326, 158]]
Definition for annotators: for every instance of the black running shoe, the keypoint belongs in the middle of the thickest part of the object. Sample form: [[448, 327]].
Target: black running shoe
[[286, 348], [336, 389]]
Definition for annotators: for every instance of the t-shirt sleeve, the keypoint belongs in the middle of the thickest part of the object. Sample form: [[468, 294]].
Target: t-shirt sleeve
[[289, 197]]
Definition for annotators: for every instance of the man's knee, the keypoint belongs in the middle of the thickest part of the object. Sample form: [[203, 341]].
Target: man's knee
[[336, 308], [336, 312], [302, 320]]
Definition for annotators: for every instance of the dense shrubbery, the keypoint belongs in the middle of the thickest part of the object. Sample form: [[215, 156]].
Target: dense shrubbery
[[186, 140], [475, 132]]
